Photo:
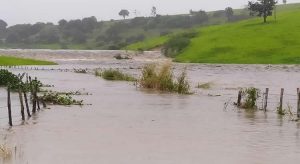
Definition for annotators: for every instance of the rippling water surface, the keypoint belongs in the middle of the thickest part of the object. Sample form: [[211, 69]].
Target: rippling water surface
[[127, 125]]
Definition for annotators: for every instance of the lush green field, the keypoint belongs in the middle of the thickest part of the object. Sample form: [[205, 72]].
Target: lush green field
[[249, 41], [148, 44], [13, 61]]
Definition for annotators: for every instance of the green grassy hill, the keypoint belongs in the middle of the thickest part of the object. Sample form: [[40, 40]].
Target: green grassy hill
[[13, 61], [249, 41]]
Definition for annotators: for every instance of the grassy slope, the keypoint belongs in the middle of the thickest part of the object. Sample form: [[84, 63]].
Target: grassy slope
[[148, 43], [249, 41], [9, 61]]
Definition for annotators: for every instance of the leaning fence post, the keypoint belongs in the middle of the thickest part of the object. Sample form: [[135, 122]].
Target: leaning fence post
[[298, 104], [22, 104], [239, 98], [9, 106], [281, 98], [266, 99], [33, 96], [36, 96], [26, 103]]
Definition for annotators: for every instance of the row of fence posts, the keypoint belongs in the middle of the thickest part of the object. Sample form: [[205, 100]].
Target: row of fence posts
[[265, 102], [35, 68], [24, 102]]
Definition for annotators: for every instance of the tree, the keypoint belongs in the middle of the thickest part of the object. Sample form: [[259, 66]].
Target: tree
[[229, 13], [124, 13], [284, 1], [49, 34], [62, 23], [154, 11], [262, 8], [89, 24], [3, 25]]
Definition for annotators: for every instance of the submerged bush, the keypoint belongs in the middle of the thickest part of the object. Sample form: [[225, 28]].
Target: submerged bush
[[182, 85], [8, 78], [163, 80], [14, 82], [115, 75], [59, 99], [250, 96]]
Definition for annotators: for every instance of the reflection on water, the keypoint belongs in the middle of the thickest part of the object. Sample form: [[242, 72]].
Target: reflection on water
[[125, 125]]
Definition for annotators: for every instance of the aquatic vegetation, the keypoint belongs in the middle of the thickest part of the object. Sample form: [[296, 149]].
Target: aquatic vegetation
[[250, 96], [285, 111], [115, 75], [162, 79], [56, 98]]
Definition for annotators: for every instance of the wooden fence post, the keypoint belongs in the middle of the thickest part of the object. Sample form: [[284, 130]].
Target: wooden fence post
[[26, 103], [9, 106], [22, 104], [266, 99], [281, 99], [239, 98], [33, 96], [298, 104]]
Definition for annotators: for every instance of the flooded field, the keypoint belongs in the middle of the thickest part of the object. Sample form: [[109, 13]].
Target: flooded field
[[124, 124]]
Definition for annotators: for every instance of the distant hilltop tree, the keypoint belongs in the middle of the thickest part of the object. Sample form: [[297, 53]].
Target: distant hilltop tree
[[154, 11], [284, 1], [124, 13], [262, 8], [3, 25], [229, 13]]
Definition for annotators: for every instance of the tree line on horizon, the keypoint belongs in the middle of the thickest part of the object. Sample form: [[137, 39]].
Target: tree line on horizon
[[115, 34]]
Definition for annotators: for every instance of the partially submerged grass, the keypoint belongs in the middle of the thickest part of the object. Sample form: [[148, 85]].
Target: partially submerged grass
[[5, 152], [114, 75], [204, 85], [162, 79], [57, 98], [13, 61]]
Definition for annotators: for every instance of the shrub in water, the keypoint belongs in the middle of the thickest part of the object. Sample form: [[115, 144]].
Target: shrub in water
[[114, 74], [250, 96], [182, 85], [163, 80], [8, 78], [59, 99]]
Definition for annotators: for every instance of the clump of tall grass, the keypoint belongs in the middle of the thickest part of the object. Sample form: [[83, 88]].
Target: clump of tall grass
[[287, 111], [5, 152], [114, 75], [162, 79]]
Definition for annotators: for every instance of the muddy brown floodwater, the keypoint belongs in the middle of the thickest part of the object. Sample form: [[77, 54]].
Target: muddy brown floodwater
[[127, 125]]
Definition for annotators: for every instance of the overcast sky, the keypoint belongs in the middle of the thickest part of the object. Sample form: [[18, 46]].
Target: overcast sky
[[32, 11]]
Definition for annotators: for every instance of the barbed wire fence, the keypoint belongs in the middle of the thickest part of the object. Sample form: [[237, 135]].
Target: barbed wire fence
[[270, 101], [15, 104]]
